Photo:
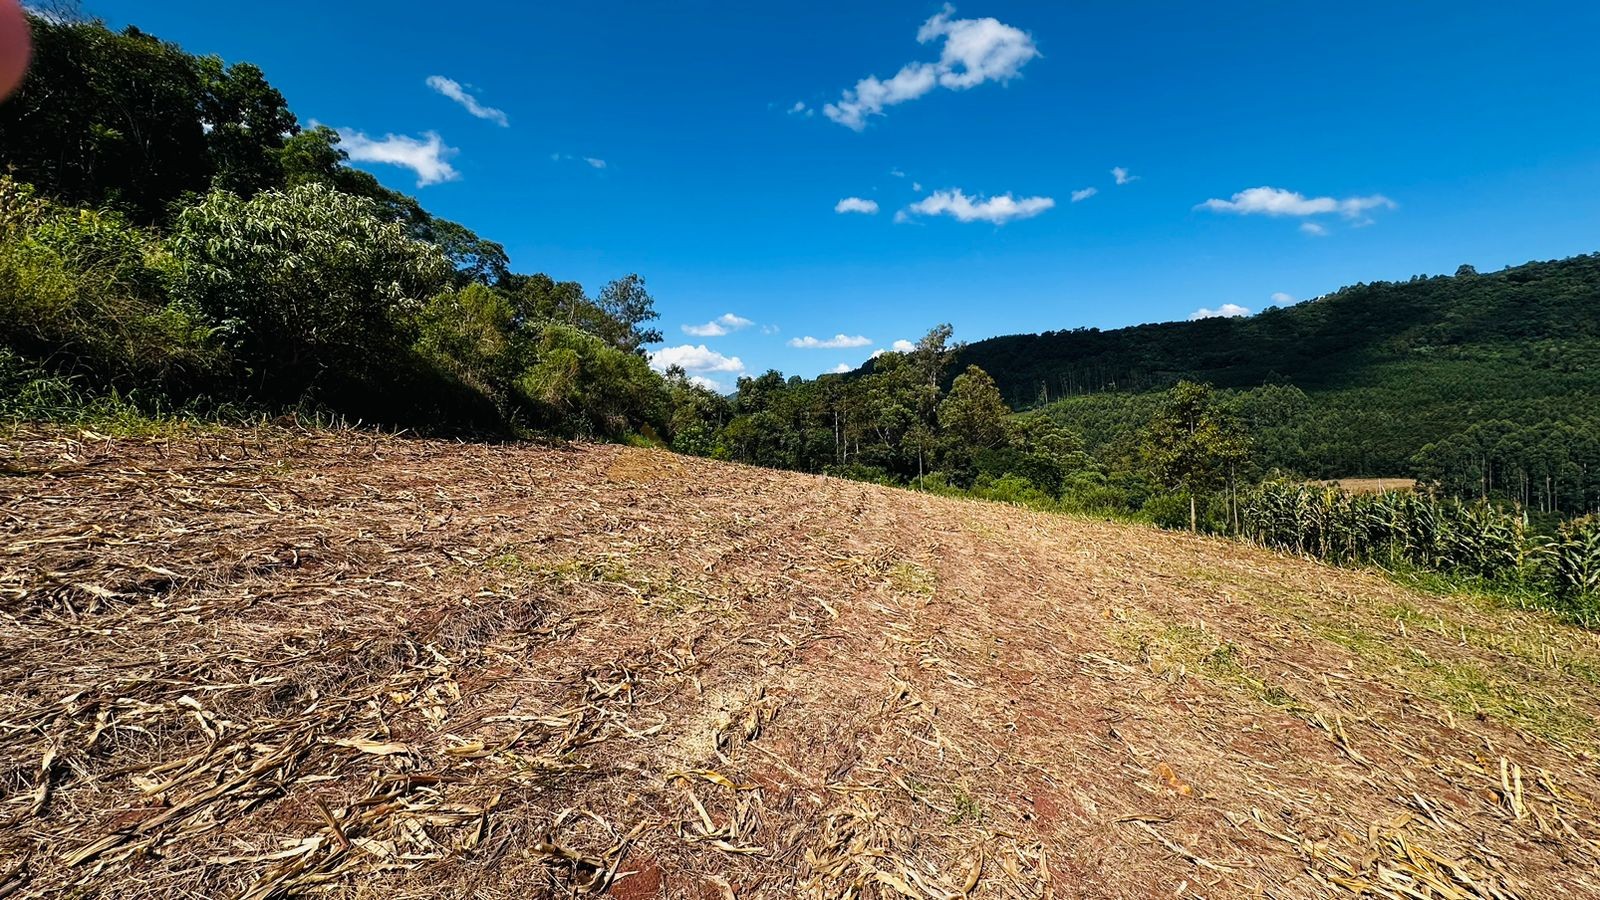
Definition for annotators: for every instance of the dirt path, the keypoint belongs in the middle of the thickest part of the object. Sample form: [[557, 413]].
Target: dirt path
[[264, 665]]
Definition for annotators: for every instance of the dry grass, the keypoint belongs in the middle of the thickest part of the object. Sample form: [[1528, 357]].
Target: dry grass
[[1371, 485], [266, 665]]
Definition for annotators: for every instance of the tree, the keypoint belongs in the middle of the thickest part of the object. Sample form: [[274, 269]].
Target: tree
[[628, 305], [303, 282], [1190, 445], [973, 414]]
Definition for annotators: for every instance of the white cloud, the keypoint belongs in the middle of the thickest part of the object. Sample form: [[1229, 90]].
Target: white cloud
[[693, 358], [1314, 229], [1280, 298], [708, 383], [841, 368], [1121, 175], [900, 346], [856, 205], [427, 156], [1084, 194], [595, 163], [839, 341], [895, 171], [916, 186], [769, 329], [974, 51], [719, 326], [1271, 201], [998, 210], [453, 89], [1225, 311]]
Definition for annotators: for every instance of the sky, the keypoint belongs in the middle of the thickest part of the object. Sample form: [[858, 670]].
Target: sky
[[803, 186]]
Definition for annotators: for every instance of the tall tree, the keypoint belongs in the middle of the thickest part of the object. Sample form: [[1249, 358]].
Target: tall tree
[[972, 414], [1191, 445]]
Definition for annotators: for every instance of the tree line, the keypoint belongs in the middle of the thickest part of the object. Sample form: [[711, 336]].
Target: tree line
[[171, 238]]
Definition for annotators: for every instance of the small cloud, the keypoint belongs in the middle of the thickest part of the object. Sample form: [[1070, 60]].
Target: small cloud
[[1271, 201], [801, 109], [1084, 194], [856, 205], [427, 156], [916, 186], [719, 326], [1312, 228], [841, 368], [692, 358], [973, 51], [839, 341], [1225, 311], [708, 384], [895, 171], [769, 329], [453, 89], [595, 163], [956, 204], [1122, 176], [1279, 298], [900, 346]]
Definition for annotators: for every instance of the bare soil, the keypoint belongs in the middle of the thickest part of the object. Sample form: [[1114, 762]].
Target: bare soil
[[257, 664]]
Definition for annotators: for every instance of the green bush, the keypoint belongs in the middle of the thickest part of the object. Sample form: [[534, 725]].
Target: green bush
[[81, 291], [309, 287], [585, 386]]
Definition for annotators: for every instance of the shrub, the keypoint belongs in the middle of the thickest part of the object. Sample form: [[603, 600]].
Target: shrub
[[80, 291], [305, 285]]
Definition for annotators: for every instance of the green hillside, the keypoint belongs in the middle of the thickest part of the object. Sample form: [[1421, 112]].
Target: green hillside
[[1362, 379]]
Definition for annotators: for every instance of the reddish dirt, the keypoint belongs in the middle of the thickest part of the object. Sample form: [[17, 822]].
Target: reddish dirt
[[259, 664]]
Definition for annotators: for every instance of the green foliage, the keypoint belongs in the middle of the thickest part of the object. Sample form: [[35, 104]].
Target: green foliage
[[1191, 445], [588, 386], [1378, 379], [82, 288], [121, 120], [972, 413], [303, 284], [1575, 562]]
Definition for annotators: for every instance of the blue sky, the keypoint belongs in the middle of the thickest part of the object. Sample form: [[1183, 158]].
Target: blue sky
[[600, 138]]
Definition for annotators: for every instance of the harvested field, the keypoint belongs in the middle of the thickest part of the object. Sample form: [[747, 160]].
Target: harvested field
[[264, 665], [1371, 485]]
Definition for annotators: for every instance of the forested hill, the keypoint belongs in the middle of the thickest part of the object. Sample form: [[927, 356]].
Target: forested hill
[[1533, 330]]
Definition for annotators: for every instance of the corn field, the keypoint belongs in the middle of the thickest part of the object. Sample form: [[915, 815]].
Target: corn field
[[1415, 529]]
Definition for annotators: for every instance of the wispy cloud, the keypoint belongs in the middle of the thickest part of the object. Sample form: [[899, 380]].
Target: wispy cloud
[[1121, 175], [693, 358], [1225, 311], [455, 91], [839, 341], [997, 210], [973, 51], [719, 326], [1271, 201], [856, 205], [1313, 229], [1280, 298], [595, 163], [1084, 194], [427, 156]]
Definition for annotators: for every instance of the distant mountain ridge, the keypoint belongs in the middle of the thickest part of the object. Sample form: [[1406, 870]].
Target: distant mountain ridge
[[1543, 315], [1372, 379]]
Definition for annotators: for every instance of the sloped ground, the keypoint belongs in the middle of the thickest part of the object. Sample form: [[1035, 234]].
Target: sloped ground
[[265, 665]]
